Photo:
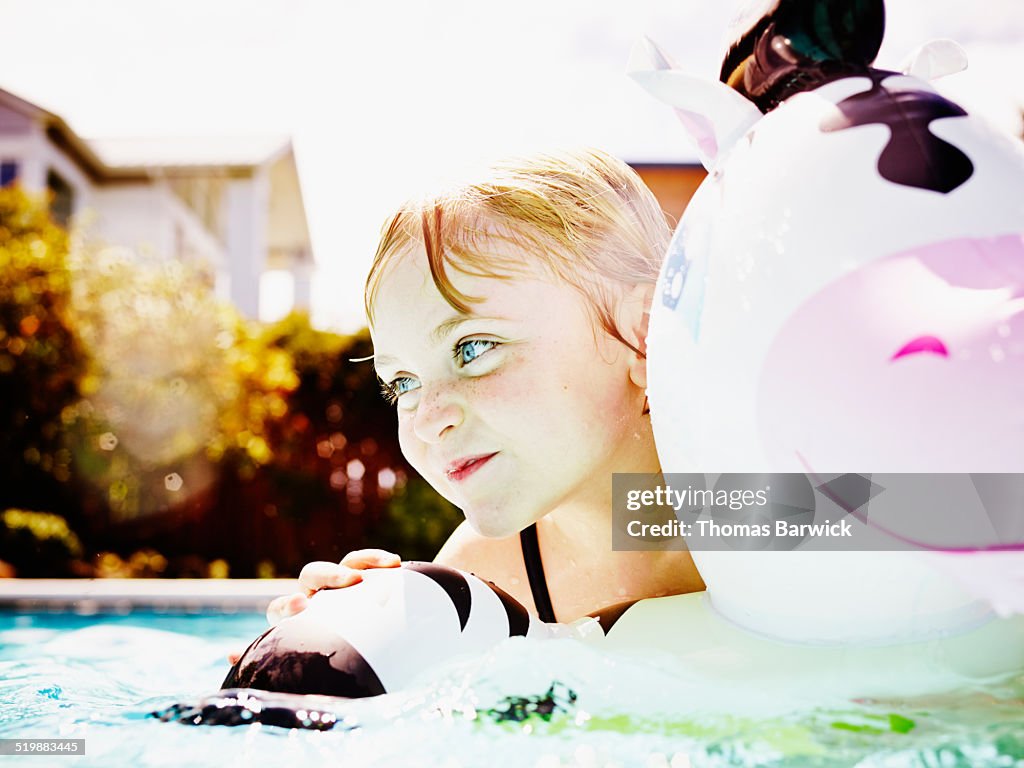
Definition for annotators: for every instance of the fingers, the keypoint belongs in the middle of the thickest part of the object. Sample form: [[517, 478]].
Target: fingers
[[371, 558], [233, 657], [324, 575], [285, 606]]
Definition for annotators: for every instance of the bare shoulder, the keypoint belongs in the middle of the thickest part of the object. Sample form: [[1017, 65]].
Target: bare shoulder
[[497, 560]]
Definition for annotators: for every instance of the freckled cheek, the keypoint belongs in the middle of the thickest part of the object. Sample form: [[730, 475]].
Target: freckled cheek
[[561, 414], [496, 390], [518, 398]]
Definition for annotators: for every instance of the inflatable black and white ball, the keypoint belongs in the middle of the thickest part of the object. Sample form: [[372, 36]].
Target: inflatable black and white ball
[[376, 636]]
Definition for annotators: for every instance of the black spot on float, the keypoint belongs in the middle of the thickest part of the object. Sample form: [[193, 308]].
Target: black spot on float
[[914, 156], [518, 618], [452, 582], [326, 663], [607, 617]]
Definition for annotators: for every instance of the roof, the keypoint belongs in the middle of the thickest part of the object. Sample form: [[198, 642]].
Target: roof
[[118, 159], [189, 152], [58, 131]]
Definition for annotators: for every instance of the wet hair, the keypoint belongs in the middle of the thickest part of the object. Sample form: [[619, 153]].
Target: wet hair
[[585, 217]]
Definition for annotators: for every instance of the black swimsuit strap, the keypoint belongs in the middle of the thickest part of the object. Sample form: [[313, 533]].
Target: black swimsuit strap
[[535, 572]]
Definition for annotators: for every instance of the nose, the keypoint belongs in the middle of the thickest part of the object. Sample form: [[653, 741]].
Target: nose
[[436, 413]]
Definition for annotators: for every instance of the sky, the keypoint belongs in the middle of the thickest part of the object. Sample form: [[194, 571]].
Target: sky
[[384, 99]]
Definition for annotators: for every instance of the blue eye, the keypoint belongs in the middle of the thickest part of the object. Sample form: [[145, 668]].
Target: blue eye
[[464, 353], [467, 351], [393, 390]]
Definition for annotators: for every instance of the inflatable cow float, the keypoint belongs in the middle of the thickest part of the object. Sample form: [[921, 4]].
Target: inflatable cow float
[[844, 294]]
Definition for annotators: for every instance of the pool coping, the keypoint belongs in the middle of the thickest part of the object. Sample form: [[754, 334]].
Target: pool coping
[[86, 596]]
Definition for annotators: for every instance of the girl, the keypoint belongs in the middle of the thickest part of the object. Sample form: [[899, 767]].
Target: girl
[[508, 319]]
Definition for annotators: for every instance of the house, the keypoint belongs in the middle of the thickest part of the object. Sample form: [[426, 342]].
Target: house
[[234, 204]]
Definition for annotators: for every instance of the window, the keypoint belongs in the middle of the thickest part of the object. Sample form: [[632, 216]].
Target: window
[[62, 202], [8, 172]]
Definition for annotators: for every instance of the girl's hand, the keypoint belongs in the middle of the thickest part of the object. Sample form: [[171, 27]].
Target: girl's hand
[[324, 575]]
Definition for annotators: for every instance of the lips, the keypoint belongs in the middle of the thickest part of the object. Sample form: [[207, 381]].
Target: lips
[[462, 468]]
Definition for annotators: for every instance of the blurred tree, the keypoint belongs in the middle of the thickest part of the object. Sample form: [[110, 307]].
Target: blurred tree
[[39, 544], [42, 361], [194, 441], [336, 467], [173, 378]]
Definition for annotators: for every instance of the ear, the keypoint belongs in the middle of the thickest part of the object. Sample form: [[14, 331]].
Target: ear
[[935, 59], [634, 315], [715, 115]]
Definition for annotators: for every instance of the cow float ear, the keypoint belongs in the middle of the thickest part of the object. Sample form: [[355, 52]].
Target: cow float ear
[[713, 114], [935, 59]]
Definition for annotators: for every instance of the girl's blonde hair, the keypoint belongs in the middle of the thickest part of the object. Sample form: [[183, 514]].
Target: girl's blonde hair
[[585, 216]]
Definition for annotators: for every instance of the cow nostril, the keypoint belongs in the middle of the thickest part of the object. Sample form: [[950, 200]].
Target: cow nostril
[[921, 344]]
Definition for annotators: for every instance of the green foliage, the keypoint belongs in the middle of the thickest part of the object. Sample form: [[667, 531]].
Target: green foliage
[[41, 359], [180, 427], [37, 543]]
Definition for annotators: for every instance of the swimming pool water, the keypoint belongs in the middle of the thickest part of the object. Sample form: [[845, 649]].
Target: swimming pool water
[[99, 677]]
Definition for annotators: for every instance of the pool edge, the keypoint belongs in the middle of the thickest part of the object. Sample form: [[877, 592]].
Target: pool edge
[[126, 595]]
